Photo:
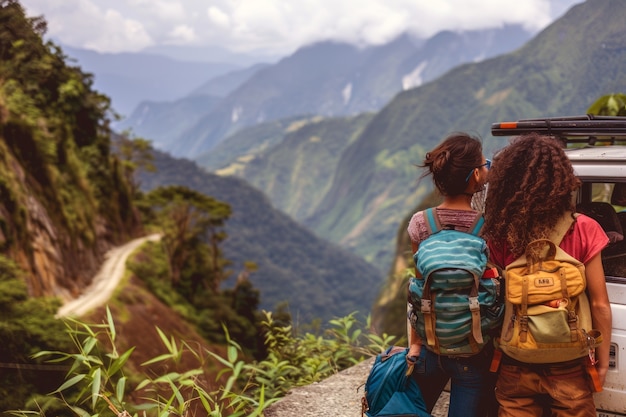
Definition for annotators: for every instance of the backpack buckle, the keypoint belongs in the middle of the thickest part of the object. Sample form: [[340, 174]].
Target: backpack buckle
[[474, 304]]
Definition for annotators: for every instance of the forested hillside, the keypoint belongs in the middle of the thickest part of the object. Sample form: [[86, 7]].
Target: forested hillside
[[65, 197], [313, 278], [296, 170]]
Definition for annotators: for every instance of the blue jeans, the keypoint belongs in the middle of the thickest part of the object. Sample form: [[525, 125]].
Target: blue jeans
[[471, 383]]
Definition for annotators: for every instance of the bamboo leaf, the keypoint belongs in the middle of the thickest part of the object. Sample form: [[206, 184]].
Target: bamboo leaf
[[119, 362], [120, 388], [70, 382], [95, 387], [111, 324]]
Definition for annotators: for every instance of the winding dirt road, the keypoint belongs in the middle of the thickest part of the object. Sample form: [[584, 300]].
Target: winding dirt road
[[105, 281]]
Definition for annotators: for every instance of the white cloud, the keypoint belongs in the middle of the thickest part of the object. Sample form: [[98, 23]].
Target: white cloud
[[182, 34], [218, 17], [277, 26], [84, 23]]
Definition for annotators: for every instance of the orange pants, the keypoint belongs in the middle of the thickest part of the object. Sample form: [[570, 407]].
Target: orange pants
[[530, 390]]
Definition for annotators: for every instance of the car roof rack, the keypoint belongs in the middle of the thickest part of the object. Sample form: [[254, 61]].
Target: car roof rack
[[588, 128]]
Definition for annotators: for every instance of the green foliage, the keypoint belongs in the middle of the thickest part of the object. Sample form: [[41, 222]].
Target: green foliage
[[51, 119], [135, 154], [295, 361], [26, 325], [97, 385], [609, 105], [191, 224], [204, 307]]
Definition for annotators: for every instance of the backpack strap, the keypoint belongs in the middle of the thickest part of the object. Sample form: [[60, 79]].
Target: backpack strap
[[562, 226], [432, 221], [477, 225], [432, 226], [477, 335], [561, 229]]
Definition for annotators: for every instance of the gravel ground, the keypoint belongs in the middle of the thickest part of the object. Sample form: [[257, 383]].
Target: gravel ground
[[337, 396]]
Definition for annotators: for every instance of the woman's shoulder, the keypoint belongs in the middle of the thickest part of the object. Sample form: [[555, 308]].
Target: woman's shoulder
[[587, 224], [461, 219], [585, 240], [417, 226]]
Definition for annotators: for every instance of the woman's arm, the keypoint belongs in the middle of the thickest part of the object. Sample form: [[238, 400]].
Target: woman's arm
[[600, 311]]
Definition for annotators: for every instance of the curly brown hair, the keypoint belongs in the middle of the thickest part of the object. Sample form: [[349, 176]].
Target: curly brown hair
[[530, 188], [451, 161]]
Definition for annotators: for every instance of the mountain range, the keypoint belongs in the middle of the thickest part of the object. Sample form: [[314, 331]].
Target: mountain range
[[129, 78], [327, 78], [375, 182]]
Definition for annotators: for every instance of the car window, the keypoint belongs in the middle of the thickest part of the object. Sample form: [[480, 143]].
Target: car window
[[606, 203]]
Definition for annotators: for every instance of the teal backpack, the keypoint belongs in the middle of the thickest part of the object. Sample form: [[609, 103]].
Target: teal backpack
[[389, 390], [456, 300]]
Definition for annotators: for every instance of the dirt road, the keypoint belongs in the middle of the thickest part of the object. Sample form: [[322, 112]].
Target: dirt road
[[105, 282]]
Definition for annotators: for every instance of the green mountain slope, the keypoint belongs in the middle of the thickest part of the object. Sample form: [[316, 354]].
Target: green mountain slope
[[232, 155], [562, 71], [297, 172], [316, 278]]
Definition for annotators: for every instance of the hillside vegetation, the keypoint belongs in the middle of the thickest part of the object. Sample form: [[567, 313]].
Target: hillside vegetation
[[65, 197], [68, 196]]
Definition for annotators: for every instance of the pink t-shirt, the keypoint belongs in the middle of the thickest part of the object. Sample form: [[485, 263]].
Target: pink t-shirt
[[584, 241]]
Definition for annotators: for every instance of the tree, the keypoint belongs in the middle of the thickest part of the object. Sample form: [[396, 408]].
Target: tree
[[609, 105], [135, 154], [192, 225]]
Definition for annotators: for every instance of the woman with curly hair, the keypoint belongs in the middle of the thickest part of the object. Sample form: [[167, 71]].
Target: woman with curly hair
[[459, 170], [531, 188]]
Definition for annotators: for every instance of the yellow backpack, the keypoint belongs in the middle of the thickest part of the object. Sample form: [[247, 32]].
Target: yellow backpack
[[547, 317]]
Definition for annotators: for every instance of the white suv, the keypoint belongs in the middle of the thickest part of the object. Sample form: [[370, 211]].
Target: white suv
[[601, 165]]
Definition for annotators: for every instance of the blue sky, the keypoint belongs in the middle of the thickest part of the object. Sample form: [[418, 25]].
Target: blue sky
[[273, 27]]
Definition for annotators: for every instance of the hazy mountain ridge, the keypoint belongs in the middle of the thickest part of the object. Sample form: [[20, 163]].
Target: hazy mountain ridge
[[162, 121], [130, 78], [231, 156], [336, 79]]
